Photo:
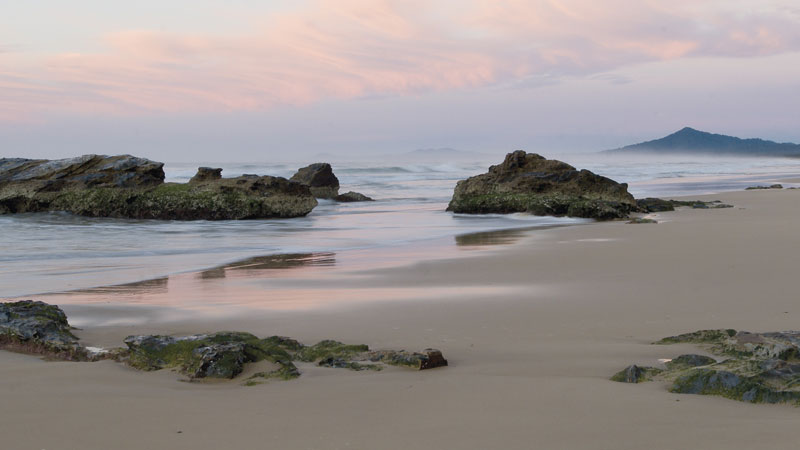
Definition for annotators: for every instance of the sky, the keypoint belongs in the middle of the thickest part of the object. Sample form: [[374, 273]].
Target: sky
[[245, 80]]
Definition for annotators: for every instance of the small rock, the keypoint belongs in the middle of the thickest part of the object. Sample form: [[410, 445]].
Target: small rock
[[319, 178], [352, 197], [206, 174]]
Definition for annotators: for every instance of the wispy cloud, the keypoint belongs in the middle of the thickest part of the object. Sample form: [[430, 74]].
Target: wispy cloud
[[358, 48]]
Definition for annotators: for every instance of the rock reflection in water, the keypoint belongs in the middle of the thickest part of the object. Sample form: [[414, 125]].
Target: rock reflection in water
[[497, 237], [255, 266], [154, 286]]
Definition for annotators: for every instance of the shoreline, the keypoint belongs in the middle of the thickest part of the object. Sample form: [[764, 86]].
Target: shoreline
[[532, 331]]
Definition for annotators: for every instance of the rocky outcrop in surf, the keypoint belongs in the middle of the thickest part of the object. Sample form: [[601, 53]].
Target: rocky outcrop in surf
[[527, 182], [131, 187], [319, 178], [36, 327]]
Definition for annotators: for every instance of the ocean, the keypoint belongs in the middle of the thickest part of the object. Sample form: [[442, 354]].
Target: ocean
[[56, 252]]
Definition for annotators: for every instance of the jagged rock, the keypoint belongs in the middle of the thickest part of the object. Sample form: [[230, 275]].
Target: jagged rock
[[527, 182], [351, 196], [36, 327], [320, 178], [206, 174], [635, 374], [129, 187], [774, 186], [754, 367]]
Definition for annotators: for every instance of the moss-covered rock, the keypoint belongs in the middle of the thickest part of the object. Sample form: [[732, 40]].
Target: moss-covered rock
[[330, 349], [218, 355], [129, 187], [36, 327], [754, 367], [527, 182]]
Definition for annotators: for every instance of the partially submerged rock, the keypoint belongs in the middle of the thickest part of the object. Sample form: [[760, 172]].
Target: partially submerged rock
[[635, 374], [130, 187], [651, 204], [319, 178], [773, 186], [36, 327], [753, 367], [351, 196], [527, 182]]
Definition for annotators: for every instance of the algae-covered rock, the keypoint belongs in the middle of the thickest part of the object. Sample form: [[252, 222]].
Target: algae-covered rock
[[330, 349], [753, 367], [36, 327], [320, 178], [218, 355], [527, 182], [772, 186], [130, 187], [651, 204]]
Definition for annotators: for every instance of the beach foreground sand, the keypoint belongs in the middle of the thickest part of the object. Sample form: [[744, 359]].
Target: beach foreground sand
[[532, 332]]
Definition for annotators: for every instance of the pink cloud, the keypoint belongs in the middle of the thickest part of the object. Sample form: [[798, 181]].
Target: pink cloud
[[354, 48]]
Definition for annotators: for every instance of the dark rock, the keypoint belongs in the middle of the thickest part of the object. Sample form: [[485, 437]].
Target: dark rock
[[352, 197], [530, 183], [320, 178], [774, 186], [635, 374], [206, 174], [428, 359], [754, 367], [36, 327], [128, 187], [685, 361], [651, 204], [641, 220]]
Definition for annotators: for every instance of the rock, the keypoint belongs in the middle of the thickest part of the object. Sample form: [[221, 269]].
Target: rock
[[206, 174], [754, 367], [641, 220], [685, 361], [330, 349], [774, 186], [320, 178], [129, 187], [651, 204], [217, 355], [352, 197], [36, 327], [527, 182], [635, 374], [428, 359]]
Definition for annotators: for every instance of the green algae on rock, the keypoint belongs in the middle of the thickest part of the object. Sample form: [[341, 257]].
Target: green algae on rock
[[527, 182], [130, 187], [36, 327], [753, 367]]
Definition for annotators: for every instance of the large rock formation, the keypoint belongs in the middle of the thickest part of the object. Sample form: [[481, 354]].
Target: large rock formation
[[130, 187], [527, 182], [319, 178], [752, 367]]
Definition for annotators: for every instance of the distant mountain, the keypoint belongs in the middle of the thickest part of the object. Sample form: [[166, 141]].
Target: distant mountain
[[691, 141]]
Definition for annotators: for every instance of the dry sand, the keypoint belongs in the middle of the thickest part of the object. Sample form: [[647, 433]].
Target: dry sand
[[530, 360]]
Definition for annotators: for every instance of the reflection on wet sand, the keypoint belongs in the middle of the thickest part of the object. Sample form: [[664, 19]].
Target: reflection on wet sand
[[154, 286], [496, 237], [253, 267]]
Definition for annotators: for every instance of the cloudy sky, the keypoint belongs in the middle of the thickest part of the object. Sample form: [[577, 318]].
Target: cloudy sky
[[257, 80]]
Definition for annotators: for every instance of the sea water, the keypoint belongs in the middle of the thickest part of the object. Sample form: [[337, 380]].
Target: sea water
[[52, 252]]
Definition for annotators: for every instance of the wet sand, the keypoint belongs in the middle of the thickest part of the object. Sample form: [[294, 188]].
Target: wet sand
[[532, 332]]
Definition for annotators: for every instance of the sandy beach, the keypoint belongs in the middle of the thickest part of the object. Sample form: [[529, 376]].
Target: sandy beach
[[532, 331]]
